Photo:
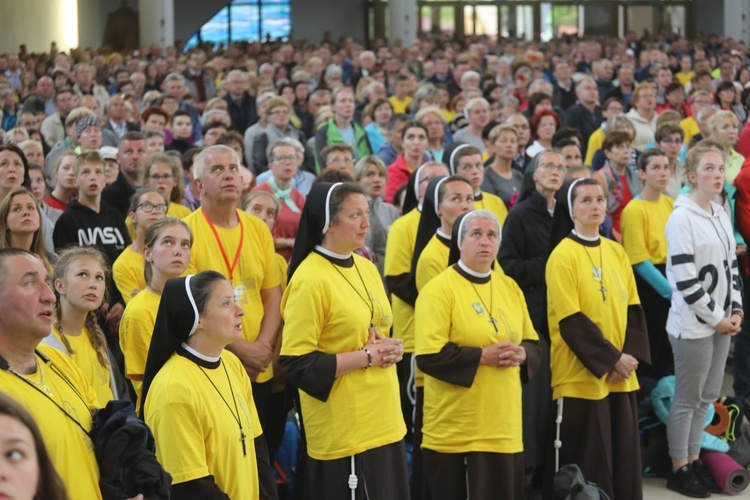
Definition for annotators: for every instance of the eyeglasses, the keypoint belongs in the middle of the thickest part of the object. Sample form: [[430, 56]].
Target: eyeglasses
[[157, 177], [285, 159], [149, 207], [336, 161]]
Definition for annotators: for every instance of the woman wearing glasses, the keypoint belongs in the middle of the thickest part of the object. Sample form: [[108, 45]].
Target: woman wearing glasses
[[162, 172], [284, 163], [278, 115], [146, 207]]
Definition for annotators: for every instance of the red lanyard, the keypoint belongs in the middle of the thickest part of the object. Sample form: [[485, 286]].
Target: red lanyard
[[221, 247]]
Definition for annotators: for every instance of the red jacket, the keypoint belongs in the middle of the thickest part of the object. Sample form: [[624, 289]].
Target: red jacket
[[742, 200], [743, 144], [398, 175]]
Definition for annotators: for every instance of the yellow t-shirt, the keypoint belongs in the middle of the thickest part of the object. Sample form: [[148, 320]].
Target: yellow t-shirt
[[571, 288], [71, 451], [432, 261], [450, 308], [399, 250], [136, 329], [322, 312], [643, 229], [85, 358], [195, 423], [690, 127], [127, 271], [596, 141], [733, 165], [494, 204], [684, 78], [177, 210], [256, 269], [283, 270], [400, 107]]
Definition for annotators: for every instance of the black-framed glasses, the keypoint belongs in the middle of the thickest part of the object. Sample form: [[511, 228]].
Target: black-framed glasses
[[149, 207]]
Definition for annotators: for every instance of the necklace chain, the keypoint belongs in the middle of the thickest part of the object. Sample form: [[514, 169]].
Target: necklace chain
[[236, 412], [42, 388], [598, 272], [368, 302], [41, 383], [492, 319]]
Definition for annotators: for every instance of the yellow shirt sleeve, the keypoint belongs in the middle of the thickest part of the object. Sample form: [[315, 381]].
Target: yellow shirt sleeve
[[634, 226], [432, 261], [136, 330], [432, 313], [127, 271]]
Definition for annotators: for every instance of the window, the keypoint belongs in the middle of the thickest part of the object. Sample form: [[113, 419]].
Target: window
[[249, 20]]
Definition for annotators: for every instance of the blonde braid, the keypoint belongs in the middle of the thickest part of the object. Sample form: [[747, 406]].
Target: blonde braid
[[96, 336]]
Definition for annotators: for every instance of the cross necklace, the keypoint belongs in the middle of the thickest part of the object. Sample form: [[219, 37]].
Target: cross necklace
[[492, 319], [236, 413], [598, 272]]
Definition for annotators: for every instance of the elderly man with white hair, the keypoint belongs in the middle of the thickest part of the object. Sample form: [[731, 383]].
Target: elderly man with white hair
[[477, 112]]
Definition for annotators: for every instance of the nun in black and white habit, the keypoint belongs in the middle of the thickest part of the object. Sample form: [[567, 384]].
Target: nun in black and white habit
[[197, 397], [336, 351]]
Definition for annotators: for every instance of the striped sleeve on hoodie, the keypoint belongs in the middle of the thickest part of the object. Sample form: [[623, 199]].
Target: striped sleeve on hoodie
[[701, 268]]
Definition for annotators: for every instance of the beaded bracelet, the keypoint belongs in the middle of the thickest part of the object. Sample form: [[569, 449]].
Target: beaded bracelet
[[369, 357]]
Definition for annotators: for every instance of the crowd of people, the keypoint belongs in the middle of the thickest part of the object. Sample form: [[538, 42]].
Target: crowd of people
[[449, 267]]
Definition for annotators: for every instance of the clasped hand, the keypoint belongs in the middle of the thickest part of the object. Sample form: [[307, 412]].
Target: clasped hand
[[730, 326], [503, 355], [384, 351], [623, 369]]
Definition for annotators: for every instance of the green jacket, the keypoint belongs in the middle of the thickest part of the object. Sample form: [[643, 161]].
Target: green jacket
[[329, 134]]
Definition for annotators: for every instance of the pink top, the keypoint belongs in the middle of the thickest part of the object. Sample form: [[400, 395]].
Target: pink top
[[287, 221]]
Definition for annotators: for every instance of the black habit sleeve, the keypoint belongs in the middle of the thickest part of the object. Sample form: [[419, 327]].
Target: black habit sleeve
[[204, 488], [586, 341], [533, 359], [453, 364], [265, 475], [313, 373], [402, 287], [636, 335]]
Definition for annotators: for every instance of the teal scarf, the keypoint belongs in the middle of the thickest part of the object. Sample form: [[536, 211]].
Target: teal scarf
[[284, 195]]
